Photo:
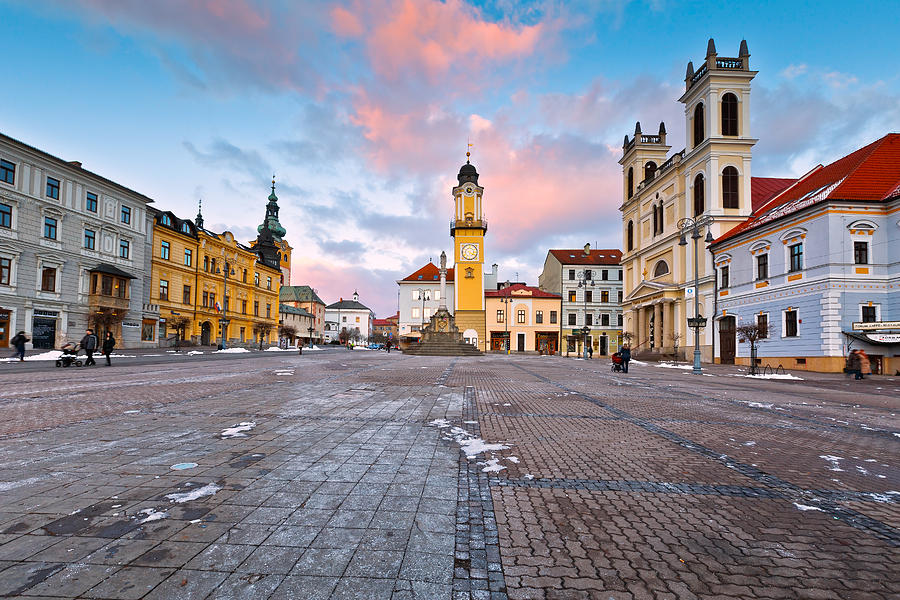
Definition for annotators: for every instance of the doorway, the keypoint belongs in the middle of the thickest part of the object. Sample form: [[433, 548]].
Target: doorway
[[727, 334], [520, 342], [604, 345], [205, 333], [4, 328], [43, 333]]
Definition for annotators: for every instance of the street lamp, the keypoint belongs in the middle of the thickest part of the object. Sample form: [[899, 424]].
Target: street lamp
[[693, 227], [422, 296], [310, 329], [224, 320], [506, 302], [585, 283]]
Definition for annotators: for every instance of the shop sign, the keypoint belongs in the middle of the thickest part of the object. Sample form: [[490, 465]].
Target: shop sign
[[875, 326], [885, 338]]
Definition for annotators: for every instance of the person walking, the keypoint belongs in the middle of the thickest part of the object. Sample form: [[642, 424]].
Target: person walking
[[625, 353], [89, 344], [853, 364], [590, 351], [18, 342], [865, 365], [108, 344]]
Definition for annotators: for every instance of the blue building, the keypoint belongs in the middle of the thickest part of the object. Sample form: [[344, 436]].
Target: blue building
[[819, 265]]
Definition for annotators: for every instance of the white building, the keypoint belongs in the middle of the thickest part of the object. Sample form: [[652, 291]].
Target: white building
[[420, 297], [351, 315]]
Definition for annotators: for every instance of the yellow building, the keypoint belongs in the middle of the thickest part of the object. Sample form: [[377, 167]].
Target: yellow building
[[468, 228], [519, 319], [210, 288]]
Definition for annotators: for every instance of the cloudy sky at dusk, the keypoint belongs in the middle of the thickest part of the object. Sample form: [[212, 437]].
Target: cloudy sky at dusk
[[363, 109]]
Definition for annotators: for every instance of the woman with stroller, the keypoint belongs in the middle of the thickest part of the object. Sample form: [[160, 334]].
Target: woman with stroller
[[108, 344]]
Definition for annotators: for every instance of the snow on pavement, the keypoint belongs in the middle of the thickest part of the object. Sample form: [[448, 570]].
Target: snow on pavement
[[238, 430]]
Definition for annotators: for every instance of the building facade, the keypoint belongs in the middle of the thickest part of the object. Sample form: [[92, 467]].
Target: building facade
[[468, 228], [295, 326], [818, 267], [589, 281], [351, 315], [74, 251], [420, 297], [305, 297], [522, 318], [709, 180], [387, 328]]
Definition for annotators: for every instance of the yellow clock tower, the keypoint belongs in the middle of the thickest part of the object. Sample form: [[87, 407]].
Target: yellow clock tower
[[468, 228]]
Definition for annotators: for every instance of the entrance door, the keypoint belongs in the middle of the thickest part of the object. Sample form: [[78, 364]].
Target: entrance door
[[205, 333], [520, 342], [498, 341], [604, 345], [727, 340], [43, 333], [4, 328]]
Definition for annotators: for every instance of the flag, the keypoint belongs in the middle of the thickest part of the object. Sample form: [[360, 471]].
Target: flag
[[218, 308]]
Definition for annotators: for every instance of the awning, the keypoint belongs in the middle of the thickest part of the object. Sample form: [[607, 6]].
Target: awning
[[111, 270], [876, 339]]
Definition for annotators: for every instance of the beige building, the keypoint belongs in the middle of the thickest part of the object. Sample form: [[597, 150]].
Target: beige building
[[710, 178], [520, 318]]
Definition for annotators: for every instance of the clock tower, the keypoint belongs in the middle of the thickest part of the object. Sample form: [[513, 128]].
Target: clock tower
[[468, 228]]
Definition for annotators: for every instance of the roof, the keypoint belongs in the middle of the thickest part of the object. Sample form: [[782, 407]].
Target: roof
[[520, 290], [763, 189], [870, 174], [348, 305], [298, 293], [292, 310], [111, 270], [383, 323], [429, 272], [593, 257]]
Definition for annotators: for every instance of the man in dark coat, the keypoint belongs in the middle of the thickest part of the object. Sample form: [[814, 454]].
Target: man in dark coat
[[18, 343], [89, 344], [625, 353], [108, 344]]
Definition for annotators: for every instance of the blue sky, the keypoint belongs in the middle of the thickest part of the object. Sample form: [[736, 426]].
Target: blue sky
[[363, 110]]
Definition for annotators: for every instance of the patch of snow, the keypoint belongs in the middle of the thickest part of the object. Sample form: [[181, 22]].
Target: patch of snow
[[475, 446], [881, 497], [207, 490], [758, 405], [277, 349], [130, 412], [5, 486], [833, 461], [492, 466], [152, 515], [666, 365], [193, 353], [750, 443], [49, 355], [232, 351], [528, 476], [238, 430], [513, 459], [807, 507], [775, 376]]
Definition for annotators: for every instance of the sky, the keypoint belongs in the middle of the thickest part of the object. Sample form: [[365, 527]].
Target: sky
[[363, 110]]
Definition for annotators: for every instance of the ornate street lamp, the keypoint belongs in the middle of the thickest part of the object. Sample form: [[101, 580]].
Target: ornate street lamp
[[585, 284], [310, 329], [693, 227], [224, 320], [506, 302]]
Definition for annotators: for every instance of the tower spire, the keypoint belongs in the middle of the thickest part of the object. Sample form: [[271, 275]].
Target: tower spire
[[199, 220]]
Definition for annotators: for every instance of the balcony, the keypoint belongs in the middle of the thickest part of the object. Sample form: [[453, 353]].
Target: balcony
[[467, 224]]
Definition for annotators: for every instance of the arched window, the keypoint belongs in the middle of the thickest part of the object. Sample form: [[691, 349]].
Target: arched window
[[662, 223], [630, 182], [630, 236], [655, 219], [165, 220], [699, 182], [698, 125], [730, 187], [185, 228], [649, 170], [661, 268], [729, 114]]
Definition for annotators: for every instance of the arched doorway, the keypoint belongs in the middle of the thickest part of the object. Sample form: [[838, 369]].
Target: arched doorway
[[470, 336], [205, 333], [727, 334]]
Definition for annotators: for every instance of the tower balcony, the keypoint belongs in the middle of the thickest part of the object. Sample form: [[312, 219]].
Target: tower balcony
[[468, 224]]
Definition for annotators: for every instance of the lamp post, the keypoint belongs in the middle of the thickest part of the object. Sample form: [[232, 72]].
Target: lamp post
[[422, 296], [585, 283], [310, 329], [506, 302], [693, 227], [224, 320]]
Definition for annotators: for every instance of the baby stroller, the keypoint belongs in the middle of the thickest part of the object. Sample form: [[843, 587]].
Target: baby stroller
[[69, 356], [616, 362]]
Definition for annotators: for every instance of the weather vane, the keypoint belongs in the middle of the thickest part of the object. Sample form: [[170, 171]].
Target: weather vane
[[468, 145]]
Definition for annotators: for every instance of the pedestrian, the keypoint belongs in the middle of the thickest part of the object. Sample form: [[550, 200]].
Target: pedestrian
[[18, 342], [865, 365], [108, 344], [853, 364], [590, 351], [626, 358], [89, 344]]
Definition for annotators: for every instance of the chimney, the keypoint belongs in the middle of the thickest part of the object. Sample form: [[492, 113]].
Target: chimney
[[75, 163]]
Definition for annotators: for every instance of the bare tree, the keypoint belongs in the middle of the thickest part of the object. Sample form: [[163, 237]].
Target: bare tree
[[288, 332], [261, 329], [753, 333], [105, 319], [627, 336], [344, 335], [675, 337]]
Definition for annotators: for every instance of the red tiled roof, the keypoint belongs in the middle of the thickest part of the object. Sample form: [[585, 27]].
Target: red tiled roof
[[596, 256], [429, 272], [762, 189], [382, 323], [871, 173], [507, 292]]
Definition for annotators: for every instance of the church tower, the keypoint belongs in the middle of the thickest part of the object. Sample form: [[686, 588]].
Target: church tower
[[468, 228]]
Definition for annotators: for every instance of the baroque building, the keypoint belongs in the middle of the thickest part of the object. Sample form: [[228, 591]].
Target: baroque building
[[305, 297], [710, 177], [420, 297], [521, 319]]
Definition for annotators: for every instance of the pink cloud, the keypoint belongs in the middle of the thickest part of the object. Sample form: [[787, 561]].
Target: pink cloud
[[345, 23]]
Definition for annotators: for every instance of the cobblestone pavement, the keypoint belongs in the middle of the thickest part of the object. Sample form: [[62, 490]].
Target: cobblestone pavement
[[341, 475]]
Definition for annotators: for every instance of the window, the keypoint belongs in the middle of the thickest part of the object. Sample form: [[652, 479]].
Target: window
[[630, 236], [123, 249], [730, 188], [165, 220], [571, 295], [7, 172], [185, 228], [796, 257], [50, 228], [698, 125], [661, 268], [604, 275], [48, 279], [256, 279], [620, 319], [869, 314], [91, 202], [126, 214], [268, 283], [244, 276], [699, 201], [620, 296], [243, 307], [587, 274], [163, 289], [552, 316], [164, 250], [188, 257], [588, 319], [206, 264], [90, 239], [520, 316], [729, 114], [539, 316], [499, 316], [212, 265], [604, 320], [655, 219], [5, 216], [762, 267], [5, 270], [620, 274], [630, 182], [588, 296], [649, 170], [723, 277], [861, 253], [53, 188], [212, 300], [604, 296], [186, 295], [256, 309], [762, 323], [205, 299], [661, 224], [106, 285], [269, 312], [572, 318], [790, 323], [571, 274]]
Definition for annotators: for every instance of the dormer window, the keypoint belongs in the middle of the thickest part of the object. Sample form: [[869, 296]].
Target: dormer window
[[729, 114], [185, 228], [165, 220]]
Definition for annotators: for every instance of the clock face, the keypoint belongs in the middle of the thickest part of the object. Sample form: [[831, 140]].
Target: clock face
[[469, 251]]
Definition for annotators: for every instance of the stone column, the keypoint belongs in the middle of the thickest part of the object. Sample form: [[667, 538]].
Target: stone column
[[657, 325], [638, 327]]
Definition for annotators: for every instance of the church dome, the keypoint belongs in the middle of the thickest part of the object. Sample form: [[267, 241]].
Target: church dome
[[467, 173]]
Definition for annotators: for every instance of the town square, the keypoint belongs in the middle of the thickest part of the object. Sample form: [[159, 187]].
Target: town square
[[449, 299]]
